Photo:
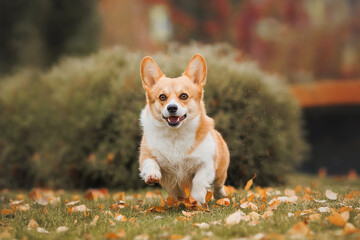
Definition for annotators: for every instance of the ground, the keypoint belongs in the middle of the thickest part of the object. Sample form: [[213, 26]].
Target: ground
[[308, 207]]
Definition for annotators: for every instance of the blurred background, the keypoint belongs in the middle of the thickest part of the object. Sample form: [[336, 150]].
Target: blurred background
[[313, 46]]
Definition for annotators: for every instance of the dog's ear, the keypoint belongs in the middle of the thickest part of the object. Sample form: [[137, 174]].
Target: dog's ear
[[150, 72], [196, 70]]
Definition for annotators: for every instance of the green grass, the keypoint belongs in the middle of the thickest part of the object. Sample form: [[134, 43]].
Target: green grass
[[165, 227]]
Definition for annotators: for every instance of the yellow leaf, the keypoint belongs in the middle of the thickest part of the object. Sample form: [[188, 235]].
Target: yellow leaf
[[314, 217], [337, 219], [249, 183], [223, 202], [350, 229], [119, 196], [299, 230], [33, 224]]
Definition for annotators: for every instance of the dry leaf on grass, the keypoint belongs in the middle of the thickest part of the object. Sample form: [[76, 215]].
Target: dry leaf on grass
[[223, 202], [120, 234], [80, 208], [62, 229], [314, 217], [41, 230], [202, 225], [72, 203], [95, 194], [120, 218], [299, 230], [330, 194], [350, 229], [235, 218], [6, 211], [338, 219], [94, 221], [324, 209], [33, 224], [119, 196], [142, 237]]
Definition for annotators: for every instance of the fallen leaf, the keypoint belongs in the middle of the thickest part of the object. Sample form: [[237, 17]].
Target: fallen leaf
[[330, 194], [95, 194], [267, 214], [109, 213], [180, 218], [144, 236], [6, 211], [289, 193], [223, 202], [156, 209], [235, 217], [72, 203], [314, 217], [120, 234], [349, 228], [41, 230], [274, 205], [249, 183], [80, 208], [202, 225], [33, 224], [254, 216], [158, 217], [13, 203], [324, 209], [189, 214], [111, 223], [345, 215], [299, 230], [274, 236], [23, 208], [337, 219], [120, 218], [62, 229], [303, 212], [94, 221], [343, 209]]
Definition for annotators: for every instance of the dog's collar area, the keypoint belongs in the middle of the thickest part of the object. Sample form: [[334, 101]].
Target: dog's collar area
[[174, 121]]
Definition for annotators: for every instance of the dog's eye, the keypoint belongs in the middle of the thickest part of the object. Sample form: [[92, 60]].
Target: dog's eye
[[162, 97], [183, 96]]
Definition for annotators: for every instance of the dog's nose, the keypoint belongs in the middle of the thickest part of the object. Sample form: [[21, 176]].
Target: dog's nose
[[172, 108]]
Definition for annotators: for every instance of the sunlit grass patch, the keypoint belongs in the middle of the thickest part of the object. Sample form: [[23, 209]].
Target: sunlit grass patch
[[302, 209]]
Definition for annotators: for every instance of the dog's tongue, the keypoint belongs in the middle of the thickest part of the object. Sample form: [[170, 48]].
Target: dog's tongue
[[173, 119]]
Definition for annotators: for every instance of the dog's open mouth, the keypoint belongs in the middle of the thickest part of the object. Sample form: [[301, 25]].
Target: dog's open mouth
[[174, 121]]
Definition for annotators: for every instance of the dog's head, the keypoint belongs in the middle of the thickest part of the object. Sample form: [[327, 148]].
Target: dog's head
[[174, 100]]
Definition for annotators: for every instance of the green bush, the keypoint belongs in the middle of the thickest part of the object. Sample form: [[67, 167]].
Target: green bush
[[77, 125]]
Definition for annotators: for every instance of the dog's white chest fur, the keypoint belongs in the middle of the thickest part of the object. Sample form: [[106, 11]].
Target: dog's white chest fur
[[170, 146]]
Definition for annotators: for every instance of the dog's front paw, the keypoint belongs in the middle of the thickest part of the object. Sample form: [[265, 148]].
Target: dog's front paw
[[151, 177], [199, 195]]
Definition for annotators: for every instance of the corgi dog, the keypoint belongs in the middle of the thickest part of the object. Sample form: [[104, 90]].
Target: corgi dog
[[180, 144]]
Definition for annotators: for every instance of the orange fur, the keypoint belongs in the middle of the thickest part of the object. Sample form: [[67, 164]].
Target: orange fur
[[191, 82]]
